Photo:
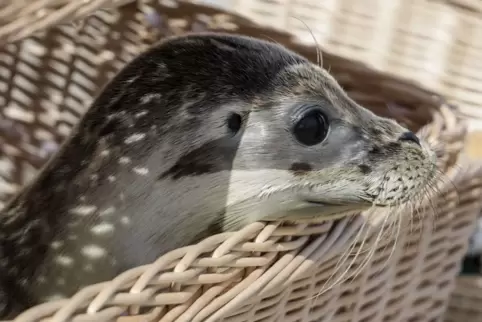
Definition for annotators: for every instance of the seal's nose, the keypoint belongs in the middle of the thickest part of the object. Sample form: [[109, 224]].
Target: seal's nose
[[409, 136]]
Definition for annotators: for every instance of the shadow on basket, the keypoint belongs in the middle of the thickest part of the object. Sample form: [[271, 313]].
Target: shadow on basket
[[350, 269]]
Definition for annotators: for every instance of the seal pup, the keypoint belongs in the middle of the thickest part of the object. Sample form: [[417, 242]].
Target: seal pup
[[200, 134]]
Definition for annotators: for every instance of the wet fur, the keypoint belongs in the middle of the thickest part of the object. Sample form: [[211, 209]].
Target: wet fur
[[152, 167]]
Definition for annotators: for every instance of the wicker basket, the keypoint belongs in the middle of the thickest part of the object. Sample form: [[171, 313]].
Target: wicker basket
[[263, 272]]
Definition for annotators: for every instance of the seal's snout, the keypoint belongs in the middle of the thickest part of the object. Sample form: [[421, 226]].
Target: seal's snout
[[409, 136]]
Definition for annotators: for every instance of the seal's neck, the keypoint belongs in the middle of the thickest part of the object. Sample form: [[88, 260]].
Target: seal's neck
[[29, 222]]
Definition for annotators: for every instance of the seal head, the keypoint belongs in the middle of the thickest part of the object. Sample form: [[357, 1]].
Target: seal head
[[201, 134]]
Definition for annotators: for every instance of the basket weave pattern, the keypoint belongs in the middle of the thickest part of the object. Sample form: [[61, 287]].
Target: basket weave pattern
[[264, 272], [464, 304]]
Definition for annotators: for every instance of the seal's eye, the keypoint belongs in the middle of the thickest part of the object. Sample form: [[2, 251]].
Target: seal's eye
[[311, 128], [234, 123]]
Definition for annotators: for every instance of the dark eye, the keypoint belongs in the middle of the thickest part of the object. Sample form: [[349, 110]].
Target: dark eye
[[311, 128], [234, 122]]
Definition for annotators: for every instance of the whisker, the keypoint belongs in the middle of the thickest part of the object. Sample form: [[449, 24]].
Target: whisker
[[342, 259], [319, 57], [371, 253], [442, 178]]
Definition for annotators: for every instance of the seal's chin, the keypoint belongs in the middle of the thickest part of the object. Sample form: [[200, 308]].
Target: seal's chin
[[317, 210], [361, 204]]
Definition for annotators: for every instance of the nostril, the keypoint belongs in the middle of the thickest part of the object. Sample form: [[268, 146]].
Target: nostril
[[409, 136]]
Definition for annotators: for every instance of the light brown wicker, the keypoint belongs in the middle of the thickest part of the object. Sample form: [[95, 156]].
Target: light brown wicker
[[264, 272], [465, 302]]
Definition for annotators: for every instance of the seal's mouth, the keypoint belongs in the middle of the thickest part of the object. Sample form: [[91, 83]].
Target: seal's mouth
[[321, 203], [364, 204]]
